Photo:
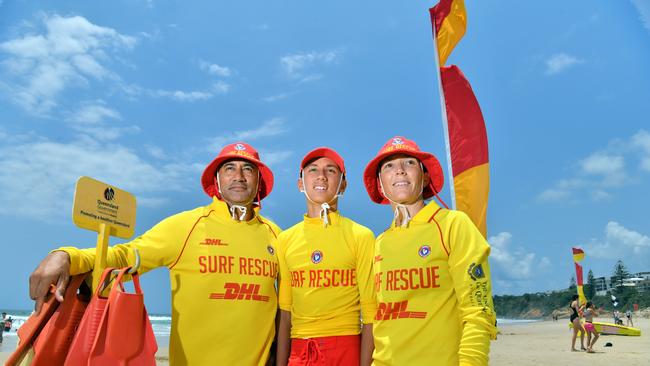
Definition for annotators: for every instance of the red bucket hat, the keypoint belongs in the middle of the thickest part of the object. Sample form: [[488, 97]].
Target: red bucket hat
[[238, 150], [323, 152], [402, 145]]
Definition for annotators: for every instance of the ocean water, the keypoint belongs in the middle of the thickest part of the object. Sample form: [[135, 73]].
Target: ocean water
[[502, 321], [161, 323]]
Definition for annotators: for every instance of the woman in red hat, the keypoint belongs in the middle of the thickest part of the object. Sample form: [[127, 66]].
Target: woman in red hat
[[221, 260], [432, 278], [326, 291]]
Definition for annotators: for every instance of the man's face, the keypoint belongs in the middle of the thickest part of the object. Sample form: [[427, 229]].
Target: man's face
[[321, 177], [239, 181], [402, 178]]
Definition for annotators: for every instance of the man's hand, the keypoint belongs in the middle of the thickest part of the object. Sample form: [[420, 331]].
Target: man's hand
[[54, 269]]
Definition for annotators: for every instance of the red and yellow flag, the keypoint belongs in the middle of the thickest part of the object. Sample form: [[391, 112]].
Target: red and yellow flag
[[468, 146], [578, 255], [449, 20]]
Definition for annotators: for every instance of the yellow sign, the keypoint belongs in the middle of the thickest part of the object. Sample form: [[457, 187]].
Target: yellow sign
[[97, 203]]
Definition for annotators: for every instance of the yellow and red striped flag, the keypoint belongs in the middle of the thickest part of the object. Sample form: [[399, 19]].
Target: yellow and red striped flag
[[449, 21], [468, 146], [578, 255]]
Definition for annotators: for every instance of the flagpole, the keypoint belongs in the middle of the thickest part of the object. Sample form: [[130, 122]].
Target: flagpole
[[445, 123]]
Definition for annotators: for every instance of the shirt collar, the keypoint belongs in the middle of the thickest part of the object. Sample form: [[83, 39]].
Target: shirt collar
[[222, 210], [333, 216], [424, 215]]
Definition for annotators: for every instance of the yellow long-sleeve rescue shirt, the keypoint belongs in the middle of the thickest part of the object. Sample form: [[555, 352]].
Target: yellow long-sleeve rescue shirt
[[434, 295], [222, 276], [326, 276]]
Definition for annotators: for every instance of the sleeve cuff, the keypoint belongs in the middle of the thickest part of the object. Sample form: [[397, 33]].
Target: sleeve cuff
[[74, 254]]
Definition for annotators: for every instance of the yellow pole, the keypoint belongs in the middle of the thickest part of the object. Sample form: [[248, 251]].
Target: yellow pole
[[100, 253]]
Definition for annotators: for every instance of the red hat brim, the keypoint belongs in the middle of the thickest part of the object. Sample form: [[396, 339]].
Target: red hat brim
[[207, 179], [430, 162]]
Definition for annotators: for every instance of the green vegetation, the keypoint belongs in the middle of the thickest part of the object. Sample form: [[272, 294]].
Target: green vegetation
[[541, 305]]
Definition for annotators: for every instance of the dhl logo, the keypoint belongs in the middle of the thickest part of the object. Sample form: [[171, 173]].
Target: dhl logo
[[397, 310], [209, 241], [240, 291]]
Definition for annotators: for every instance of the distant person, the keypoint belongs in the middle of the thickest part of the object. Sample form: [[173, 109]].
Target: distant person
[[2, 328], [577, 326], [617, 318], [8, 323], [589, 313], [628, 315]]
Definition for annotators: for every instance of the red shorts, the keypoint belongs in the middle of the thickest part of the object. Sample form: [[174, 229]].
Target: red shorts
[[325, 351], [589, 327]]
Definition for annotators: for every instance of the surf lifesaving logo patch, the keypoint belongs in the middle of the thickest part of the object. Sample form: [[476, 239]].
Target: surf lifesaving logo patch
[[316, 256], [424, 251], [240, 147], [476, 271], [397, 141]]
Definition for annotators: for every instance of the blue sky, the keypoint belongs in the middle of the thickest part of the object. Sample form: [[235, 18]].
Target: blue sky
[[142, 94]]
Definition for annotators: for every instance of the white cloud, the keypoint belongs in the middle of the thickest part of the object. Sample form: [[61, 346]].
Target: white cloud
[[93, 114], [611, 168], [641, 141], [214, 69], [37, 176], [90, 119], [600, 195], [69, 51], [270, 128], [643, 7], [544, 263], [554, 194], [155, 152], [219, 87], [604, 164], [272, 158], [596, 176], [184, 96], [515, 262], [562, 190], [560, 62], [299, 65], [619, 242], [106, 133], [275, 98]]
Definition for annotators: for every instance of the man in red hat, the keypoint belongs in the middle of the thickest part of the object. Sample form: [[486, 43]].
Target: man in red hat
[[326, 290], [221, 260], [432, 278]]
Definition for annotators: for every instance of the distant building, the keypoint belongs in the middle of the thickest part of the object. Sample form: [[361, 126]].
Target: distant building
[[602, 285], [643, 281], [640, 281]]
